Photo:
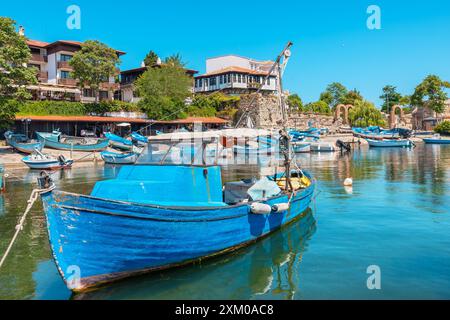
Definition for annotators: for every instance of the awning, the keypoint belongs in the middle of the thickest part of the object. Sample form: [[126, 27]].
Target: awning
[[55, 89]]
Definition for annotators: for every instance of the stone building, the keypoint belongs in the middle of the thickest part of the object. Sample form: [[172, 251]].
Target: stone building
[[426, 119]]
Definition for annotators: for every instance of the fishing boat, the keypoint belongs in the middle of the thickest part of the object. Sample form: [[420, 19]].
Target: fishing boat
[[301, 147], [139, 139], [437, 139], [121, 158], [153, 217], [399, 143], [255, 151], [56, 140], [157, 216], [19, 142], [41, 161], [322, 147], [119, 142]]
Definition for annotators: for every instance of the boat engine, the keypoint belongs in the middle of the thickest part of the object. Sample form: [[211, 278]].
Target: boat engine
[[62, 160], [44, 180], [343, 145]]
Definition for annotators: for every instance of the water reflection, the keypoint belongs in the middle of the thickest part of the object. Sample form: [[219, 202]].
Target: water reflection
[[268, 269], [396, 193]]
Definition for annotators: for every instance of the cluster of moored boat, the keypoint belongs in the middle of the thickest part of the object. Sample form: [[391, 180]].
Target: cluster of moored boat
[[381, 138], [36, 159]]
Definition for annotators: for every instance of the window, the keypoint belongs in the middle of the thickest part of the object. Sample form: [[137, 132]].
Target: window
[[212, 81], [65, 57], [239, 78], [234, 77], [228, 78], [65, 75], [268, 81], [88, 93], [244, 78], [35, 51], [200, 83], [103, 95], [221, 79]]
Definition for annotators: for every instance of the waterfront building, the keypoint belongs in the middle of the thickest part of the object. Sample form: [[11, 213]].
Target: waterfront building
[[236, 75], [128, 77], [426, 119], [54, 73]]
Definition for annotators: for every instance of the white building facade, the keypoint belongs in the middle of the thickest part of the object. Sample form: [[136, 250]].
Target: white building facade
[[236, 75]]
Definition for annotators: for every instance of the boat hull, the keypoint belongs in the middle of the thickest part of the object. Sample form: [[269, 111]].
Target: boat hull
[[53, 144], [436, 141], [389, 143], [115, 158], [23, 147], [301, 148], [110, 240], [49, 165], [322, 147]]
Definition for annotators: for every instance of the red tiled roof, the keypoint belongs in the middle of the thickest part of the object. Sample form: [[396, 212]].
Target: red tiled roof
[[234, 69], [191, 120], [41, 44], [36, 43]]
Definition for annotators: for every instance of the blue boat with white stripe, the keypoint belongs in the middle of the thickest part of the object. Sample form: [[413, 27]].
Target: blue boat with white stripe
[[153, 217]]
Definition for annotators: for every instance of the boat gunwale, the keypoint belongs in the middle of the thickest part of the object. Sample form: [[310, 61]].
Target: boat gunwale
[[178, 208]]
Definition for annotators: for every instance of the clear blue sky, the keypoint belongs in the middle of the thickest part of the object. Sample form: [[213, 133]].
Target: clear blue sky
[[332, 42]]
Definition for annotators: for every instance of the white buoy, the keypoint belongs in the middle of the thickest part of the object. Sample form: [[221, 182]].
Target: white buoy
[[260, 208], [348, 182], [281, 207]]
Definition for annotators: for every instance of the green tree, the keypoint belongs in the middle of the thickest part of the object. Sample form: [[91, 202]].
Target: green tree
[[163, 92], [175, 60], [327, 97], [365, 114], [14, 73], [390, 97], [443, 128], [319, 107], [334, 94], [352, 97], [94, 64], [295, 102], [430, 93], [151, 59]]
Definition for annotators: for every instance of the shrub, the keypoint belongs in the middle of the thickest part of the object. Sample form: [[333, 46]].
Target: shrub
[[443, 128], [68, 108]]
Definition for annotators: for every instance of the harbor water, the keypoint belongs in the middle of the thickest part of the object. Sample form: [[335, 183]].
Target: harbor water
[[396, 217]]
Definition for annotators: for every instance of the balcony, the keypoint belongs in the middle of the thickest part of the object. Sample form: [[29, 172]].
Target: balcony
[[109, 86], [42, 76], [38, 58], [64, 65], [68, 82]]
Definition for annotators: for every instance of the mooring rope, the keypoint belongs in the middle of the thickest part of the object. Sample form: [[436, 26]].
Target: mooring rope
[[34, 196]]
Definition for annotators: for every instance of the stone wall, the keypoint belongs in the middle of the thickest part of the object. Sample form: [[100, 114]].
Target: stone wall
[[266, 113]]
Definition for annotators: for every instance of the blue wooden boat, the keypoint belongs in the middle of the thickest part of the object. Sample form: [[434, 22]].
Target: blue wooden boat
[[56, 140], [400, 143], [119, 142], [153, 217], [255, 151], [437, 139], [17, 142], [139, 139], [301, 147], [119, 158]]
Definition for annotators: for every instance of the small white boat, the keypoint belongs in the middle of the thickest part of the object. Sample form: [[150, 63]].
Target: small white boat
[[400, 143], [301, 147], [322, 147], [41, 161]]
